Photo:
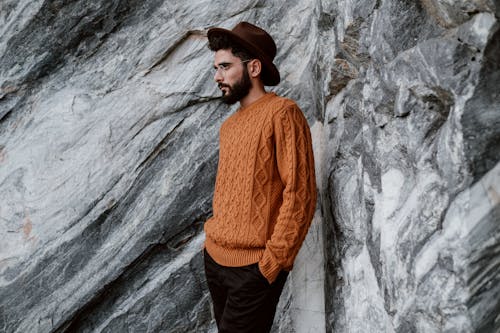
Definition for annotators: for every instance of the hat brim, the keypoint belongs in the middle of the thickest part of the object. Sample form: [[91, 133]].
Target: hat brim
[[270, 76]]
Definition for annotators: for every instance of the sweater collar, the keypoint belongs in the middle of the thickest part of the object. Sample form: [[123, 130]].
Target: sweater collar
[[262, 100]]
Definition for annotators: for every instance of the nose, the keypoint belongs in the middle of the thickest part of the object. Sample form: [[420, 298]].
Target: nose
[[218, 77]]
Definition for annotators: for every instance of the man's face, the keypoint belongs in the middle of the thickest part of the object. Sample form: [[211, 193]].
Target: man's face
[[232, 76]]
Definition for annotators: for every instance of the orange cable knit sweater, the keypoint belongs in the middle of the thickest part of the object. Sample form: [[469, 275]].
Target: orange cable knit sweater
[[265, 191]]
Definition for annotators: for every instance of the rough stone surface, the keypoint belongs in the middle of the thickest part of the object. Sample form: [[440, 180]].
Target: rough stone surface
[[414, 140], [108, 151]]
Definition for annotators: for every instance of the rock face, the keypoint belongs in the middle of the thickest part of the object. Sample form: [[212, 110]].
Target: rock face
[[108, 151], [413, 175]]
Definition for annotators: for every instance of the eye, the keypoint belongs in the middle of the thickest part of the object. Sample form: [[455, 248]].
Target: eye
[[224, 66]]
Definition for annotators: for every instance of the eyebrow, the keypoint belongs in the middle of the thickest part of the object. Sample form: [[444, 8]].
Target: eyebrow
[[225, 63]]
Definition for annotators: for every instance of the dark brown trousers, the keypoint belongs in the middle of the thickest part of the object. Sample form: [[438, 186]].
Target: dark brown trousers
[[243, 300]]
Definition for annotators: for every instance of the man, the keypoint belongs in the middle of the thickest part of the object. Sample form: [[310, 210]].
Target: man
[[265, 191]]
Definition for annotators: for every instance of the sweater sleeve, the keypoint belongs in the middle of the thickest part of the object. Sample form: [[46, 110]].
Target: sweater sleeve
[[295, 162]]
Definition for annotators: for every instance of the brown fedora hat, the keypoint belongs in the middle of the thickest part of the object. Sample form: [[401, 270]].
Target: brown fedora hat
[[256, 41]]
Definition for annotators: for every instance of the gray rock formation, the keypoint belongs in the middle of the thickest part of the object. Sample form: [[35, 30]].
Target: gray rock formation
[[108, 151], [413, 230]]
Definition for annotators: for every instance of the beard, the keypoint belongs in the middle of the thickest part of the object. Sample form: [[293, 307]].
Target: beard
[[238, 90]]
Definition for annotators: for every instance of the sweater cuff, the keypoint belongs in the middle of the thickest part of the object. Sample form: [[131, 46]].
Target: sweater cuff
[[269, 267]]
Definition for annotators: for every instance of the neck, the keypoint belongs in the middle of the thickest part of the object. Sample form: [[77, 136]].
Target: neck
[[256, 92]]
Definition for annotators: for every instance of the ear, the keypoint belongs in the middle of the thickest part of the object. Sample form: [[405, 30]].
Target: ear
[[254, 68]]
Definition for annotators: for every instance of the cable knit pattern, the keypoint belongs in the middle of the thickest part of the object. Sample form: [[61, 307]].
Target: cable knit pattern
[[265, 191]]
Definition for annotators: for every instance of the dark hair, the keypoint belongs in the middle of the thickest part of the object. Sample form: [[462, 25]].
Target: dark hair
[[224, 42]]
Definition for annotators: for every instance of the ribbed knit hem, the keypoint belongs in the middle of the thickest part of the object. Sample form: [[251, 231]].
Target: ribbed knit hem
[[233, 257]]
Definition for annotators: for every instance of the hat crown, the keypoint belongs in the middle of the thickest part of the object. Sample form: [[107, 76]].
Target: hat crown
[[256, 36]]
